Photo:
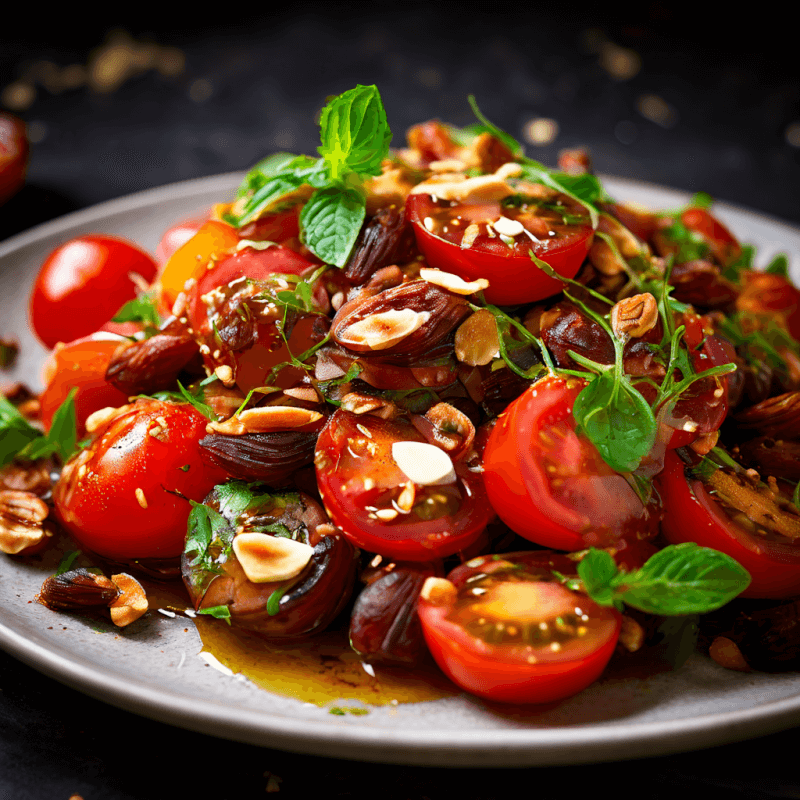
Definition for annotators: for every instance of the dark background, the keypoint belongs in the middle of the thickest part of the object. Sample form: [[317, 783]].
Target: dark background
[[660, 93]]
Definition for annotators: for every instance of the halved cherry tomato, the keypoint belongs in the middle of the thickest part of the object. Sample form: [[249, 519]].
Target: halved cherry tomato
[[556, 229], [513, 634], [722, 242], [82, 365], [126, 496], [551, 485], [692, 514], [213, 239], [13, 155], [363, 488], [83, 283]]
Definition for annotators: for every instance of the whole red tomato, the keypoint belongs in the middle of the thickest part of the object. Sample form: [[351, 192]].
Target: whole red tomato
[[557, 231], [509, 632], [83, 283], [13, 155], [127, 495]]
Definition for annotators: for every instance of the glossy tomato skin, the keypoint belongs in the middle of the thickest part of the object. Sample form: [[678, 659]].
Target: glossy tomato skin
[[126, 496], [175, 237], [550, 485], [358, 477], [526, 668], [14, 152], [512, 275], [81, 365], [83, 283], [693, 515]]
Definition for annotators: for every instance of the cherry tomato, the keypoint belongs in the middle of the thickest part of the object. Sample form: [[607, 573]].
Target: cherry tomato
[[213, 239], [126, 496], [512, 634], [550, 485], [557, 229], [379, 508], [693, 514], [82, 284], [13, 155], [772, 295], [721, 241], [177, 236], [82, 365]]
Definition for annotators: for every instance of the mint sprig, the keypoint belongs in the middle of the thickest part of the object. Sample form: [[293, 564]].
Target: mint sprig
[[679, 580]]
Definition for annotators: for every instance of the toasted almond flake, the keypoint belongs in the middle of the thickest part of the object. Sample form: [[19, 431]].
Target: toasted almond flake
[[267, 559], [225, 374], [103, 416], [167, 613], [423, 463], [131, 602], [140, 498], [508, 227], [263, 419], [509, 170], [453, 283], [306, 393], [428, 223], [476, 341], [385, 329], [470, 235], [456, 187], [386, 514], [155, 431], [405, 502], [325, 529], [438, 591]]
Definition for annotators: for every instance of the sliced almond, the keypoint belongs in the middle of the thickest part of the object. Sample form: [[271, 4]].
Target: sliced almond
[[103, 416], [307, 394], [384, 329], [423, 463], [460, 189], [452, 282], [439, 591], [131, 603], [263, 419], [477, 342], [268, 559], [508, 227], [470, 235]]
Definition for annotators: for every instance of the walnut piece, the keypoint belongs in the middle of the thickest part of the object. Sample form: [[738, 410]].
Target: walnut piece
[[634, 316], [22, 521]]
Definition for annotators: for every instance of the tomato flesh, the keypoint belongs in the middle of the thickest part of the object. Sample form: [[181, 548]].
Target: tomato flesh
[[551, 485], [82, 284], [126, 496], [362, 488], [556, 229], [516, 635]]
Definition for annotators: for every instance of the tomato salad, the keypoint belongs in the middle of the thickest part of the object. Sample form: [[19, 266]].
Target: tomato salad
[[470, 406]]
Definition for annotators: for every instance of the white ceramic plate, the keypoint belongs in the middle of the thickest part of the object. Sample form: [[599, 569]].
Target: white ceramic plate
[[153, 667]]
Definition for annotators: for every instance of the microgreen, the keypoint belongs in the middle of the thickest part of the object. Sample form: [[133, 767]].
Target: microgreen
[[274, 600], [194, 396], [68, 559], [20, 440], [679, 580], [691, 245], [218, 612]]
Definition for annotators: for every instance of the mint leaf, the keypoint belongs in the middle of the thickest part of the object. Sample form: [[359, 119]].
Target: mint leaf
[[597, 570], [779, 265], [267, 168], [15, 432], [331, 221], [354, 132], [617, 420], [683, 579], [218, 612], [65, 565]]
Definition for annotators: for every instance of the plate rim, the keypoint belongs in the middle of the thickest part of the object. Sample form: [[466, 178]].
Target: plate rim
[[607, 741]]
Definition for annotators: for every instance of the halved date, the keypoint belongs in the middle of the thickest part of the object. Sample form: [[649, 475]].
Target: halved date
[[151, 364]]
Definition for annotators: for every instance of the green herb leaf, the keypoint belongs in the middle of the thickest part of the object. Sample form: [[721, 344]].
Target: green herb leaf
[[15, 432], [617, 420], [779, 265], [331, 221], [683, 579], [141, 309], [65, 565], [691, 245], [354, 132], [597, 570], [218, 612], [701, 200], [274, 600], [506, 138]]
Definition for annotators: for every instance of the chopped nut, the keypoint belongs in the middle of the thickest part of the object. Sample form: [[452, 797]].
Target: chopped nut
[[456, 186], [307, 394], [471, 233], [627, 244], [268, 559], [447, 165], [225, 374], [101, 417], [131, 602], [27, 477], [264, 419], [476, 341], [438, 591], [631, 635], [359, 403], [424, 464], [381, 331], [77, 588], [22, 517], [452, 429], [604, 259], [405, 501], [634, 316], [452, 282], [508, 227], [706, 443], [727, 654]]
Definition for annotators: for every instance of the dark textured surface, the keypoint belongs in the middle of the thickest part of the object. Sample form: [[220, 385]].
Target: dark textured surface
[[724, 100]]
